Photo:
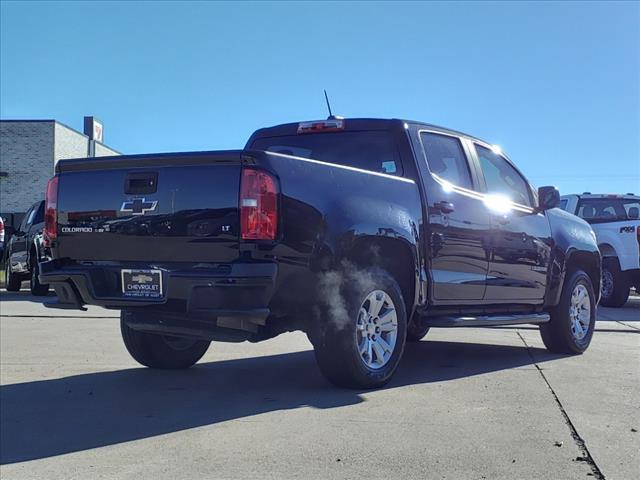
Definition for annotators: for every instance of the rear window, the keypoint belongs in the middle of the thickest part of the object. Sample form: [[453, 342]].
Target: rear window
[[601, 210], [446, 158], [369, 150]]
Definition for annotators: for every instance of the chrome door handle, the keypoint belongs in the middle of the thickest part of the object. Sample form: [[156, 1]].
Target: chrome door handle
[[444, 207]]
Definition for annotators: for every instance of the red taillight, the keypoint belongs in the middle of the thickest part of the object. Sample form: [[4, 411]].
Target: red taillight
[[258, 206], [331, 125], [51, 212]]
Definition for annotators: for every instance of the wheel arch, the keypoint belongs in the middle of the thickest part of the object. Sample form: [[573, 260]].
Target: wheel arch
[[590, 263], [607, 250], [396, 256], [564, 264]]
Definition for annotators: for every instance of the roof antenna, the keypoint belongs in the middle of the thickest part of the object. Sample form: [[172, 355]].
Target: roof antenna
[[331, 115]]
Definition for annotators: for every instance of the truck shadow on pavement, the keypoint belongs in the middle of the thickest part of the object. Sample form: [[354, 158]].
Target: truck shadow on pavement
[[53, 417], [24, 296]]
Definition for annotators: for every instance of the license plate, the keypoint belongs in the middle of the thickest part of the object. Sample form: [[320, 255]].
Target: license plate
[[142, 283]]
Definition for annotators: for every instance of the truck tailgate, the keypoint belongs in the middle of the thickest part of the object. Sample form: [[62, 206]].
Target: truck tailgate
[[163, 208]]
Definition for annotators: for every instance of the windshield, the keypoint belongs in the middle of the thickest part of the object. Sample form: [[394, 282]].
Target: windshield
[[368, 150]]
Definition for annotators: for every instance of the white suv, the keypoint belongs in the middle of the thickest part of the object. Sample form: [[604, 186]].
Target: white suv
[[616, 221]]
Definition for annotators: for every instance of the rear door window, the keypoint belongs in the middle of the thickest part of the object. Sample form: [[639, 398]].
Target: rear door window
[[632, 207], [602, 210], [368, 150], [446, 158]]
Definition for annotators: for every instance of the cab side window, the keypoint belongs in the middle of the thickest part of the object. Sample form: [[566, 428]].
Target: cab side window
[[446, 158], [501, 178]]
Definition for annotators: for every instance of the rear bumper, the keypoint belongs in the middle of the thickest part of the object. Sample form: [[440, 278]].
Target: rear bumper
[[223, 292]]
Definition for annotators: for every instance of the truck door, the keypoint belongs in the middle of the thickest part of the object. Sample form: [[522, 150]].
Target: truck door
[[520, 238], [458, 225]]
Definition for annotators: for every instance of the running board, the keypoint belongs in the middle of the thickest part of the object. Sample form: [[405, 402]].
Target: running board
[[486, 321]]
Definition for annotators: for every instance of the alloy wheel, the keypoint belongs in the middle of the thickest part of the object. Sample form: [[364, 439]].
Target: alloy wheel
[[580, 311], [376, 329]]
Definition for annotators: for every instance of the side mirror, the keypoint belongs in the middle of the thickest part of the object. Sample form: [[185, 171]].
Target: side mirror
[[548, 197]]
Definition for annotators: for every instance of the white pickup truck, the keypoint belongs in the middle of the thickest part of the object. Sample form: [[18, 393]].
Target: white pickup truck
[[616, 222]]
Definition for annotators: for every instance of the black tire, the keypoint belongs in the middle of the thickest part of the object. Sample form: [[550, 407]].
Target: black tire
[[615, 285], [557, 334], [416, 331], [161, 351], [37, 289], [11, 280], [336, 347]]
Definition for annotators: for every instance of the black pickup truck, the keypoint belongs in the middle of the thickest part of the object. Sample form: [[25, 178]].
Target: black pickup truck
[[363, 233]]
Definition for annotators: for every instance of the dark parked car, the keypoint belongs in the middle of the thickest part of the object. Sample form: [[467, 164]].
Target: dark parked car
[[24, 251], [2, 238], [363, 233]]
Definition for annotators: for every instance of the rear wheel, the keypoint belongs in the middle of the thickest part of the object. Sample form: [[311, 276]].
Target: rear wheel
[[37, 289], [161, 351], [11, 280], [573, 320], [362, 342], [615, 286]]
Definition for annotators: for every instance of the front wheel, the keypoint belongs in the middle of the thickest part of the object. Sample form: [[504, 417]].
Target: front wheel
[[364, 332], [573, 320], [161, 351]]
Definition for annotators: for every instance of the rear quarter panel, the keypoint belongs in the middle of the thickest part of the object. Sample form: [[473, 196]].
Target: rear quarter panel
[[327, 213]]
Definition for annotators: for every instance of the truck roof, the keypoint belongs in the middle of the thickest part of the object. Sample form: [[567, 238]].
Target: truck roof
[[355, 124]]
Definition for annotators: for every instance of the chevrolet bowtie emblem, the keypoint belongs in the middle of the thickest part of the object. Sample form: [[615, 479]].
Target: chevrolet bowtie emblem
[[142, 278], [138, 206]]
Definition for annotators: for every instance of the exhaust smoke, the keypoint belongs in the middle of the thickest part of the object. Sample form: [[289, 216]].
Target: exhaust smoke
[[335, 287]]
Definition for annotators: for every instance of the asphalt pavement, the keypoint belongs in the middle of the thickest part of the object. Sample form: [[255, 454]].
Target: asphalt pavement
[[464, 404]]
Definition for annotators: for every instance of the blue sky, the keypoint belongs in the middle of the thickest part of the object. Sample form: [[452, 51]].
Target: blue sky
[[557, 85]]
